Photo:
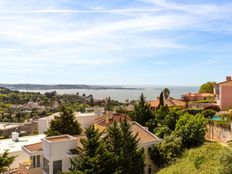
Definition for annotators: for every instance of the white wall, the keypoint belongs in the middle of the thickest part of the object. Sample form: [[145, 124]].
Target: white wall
[[54, 151], [20, 156], [42, 125], [86, 120]]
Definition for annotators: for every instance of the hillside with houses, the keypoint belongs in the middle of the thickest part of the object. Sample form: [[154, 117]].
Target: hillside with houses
[[56, 133]]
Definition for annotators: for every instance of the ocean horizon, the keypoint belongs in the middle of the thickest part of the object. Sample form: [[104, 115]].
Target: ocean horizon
[[150, 92]]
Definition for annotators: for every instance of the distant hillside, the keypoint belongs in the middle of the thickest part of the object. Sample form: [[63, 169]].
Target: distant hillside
[[61, 86], [202, 160]]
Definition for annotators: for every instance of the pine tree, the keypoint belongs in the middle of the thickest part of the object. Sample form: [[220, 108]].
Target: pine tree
[[64, 124], [94, 157], [5, 161], [142, 111], [128, 158]]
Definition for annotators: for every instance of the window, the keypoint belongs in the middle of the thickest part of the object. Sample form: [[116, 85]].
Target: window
[[46, 165], [35, 161], [149, 169], [57, 166], [38, 160]]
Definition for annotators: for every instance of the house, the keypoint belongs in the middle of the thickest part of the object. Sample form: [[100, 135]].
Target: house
[[85, 120], [170, 102], [146, 138], [6, 128], [14, 144], [109, 118], [49, 156], [197, 96], [223, 92]]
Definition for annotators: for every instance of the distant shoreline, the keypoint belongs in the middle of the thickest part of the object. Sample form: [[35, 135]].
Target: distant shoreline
[[62, 86]]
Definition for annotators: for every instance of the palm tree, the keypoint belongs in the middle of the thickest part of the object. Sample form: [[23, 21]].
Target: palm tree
[[166, 93]]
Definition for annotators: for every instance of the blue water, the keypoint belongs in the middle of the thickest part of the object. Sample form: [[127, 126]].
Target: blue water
[[216, 118], [151, 92]]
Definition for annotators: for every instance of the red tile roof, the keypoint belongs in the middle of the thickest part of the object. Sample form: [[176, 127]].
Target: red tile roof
[[112, 117], [168, 102]]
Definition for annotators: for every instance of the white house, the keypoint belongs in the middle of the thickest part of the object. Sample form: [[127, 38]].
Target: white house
[[14, 146], [85, 119], [49, 156]]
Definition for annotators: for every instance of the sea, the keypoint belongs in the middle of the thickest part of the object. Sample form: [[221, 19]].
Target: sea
[[151, 92]]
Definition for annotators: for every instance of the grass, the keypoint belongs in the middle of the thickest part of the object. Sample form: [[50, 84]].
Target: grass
[[201, 160]]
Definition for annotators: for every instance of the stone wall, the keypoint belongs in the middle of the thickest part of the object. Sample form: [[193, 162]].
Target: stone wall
[[219, 134]]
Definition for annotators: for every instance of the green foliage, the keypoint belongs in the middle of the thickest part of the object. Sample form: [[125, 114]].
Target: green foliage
[[116, 153], [5, 161], [142, 111], [164, 121], [226, 161], [192, 129], [207, 87], [94, 157], [198, 161], [64, 124], [166, 93], [108, 105], [166, 151], [208, 113], [205, 159], [129, 158], [161, 100]]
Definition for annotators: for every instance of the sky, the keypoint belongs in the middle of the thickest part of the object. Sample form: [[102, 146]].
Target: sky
[[115, 42]]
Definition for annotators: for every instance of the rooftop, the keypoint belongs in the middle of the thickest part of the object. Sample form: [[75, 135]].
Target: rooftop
[[144, 135], [199, 95], [110, 118], [38, 146], [169, 102], [59, 138], [8, 144], [5, 126]]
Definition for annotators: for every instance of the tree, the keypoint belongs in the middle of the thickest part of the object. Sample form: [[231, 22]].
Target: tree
[[64, 124], [116, 153], [108, 104], [166, 93], [207, 87], [165, 152], [142, 111], [5, 161], [164, 121], [161, 100], [208, 113], [94, 156], [128, 158], [91, 100], [192, 129]]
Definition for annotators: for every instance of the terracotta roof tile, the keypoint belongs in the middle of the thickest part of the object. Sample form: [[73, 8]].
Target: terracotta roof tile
[[168, 102]]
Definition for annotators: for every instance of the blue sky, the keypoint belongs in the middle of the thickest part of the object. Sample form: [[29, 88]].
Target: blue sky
[[115, 42]]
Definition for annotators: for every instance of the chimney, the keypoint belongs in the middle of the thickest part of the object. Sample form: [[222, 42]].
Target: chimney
[[228, 78], [15, 136]]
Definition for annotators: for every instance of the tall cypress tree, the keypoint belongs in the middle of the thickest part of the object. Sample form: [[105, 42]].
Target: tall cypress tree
[[161, 100]]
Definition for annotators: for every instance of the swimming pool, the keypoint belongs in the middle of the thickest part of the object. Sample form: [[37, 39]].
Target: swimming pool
[[216, 118]]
